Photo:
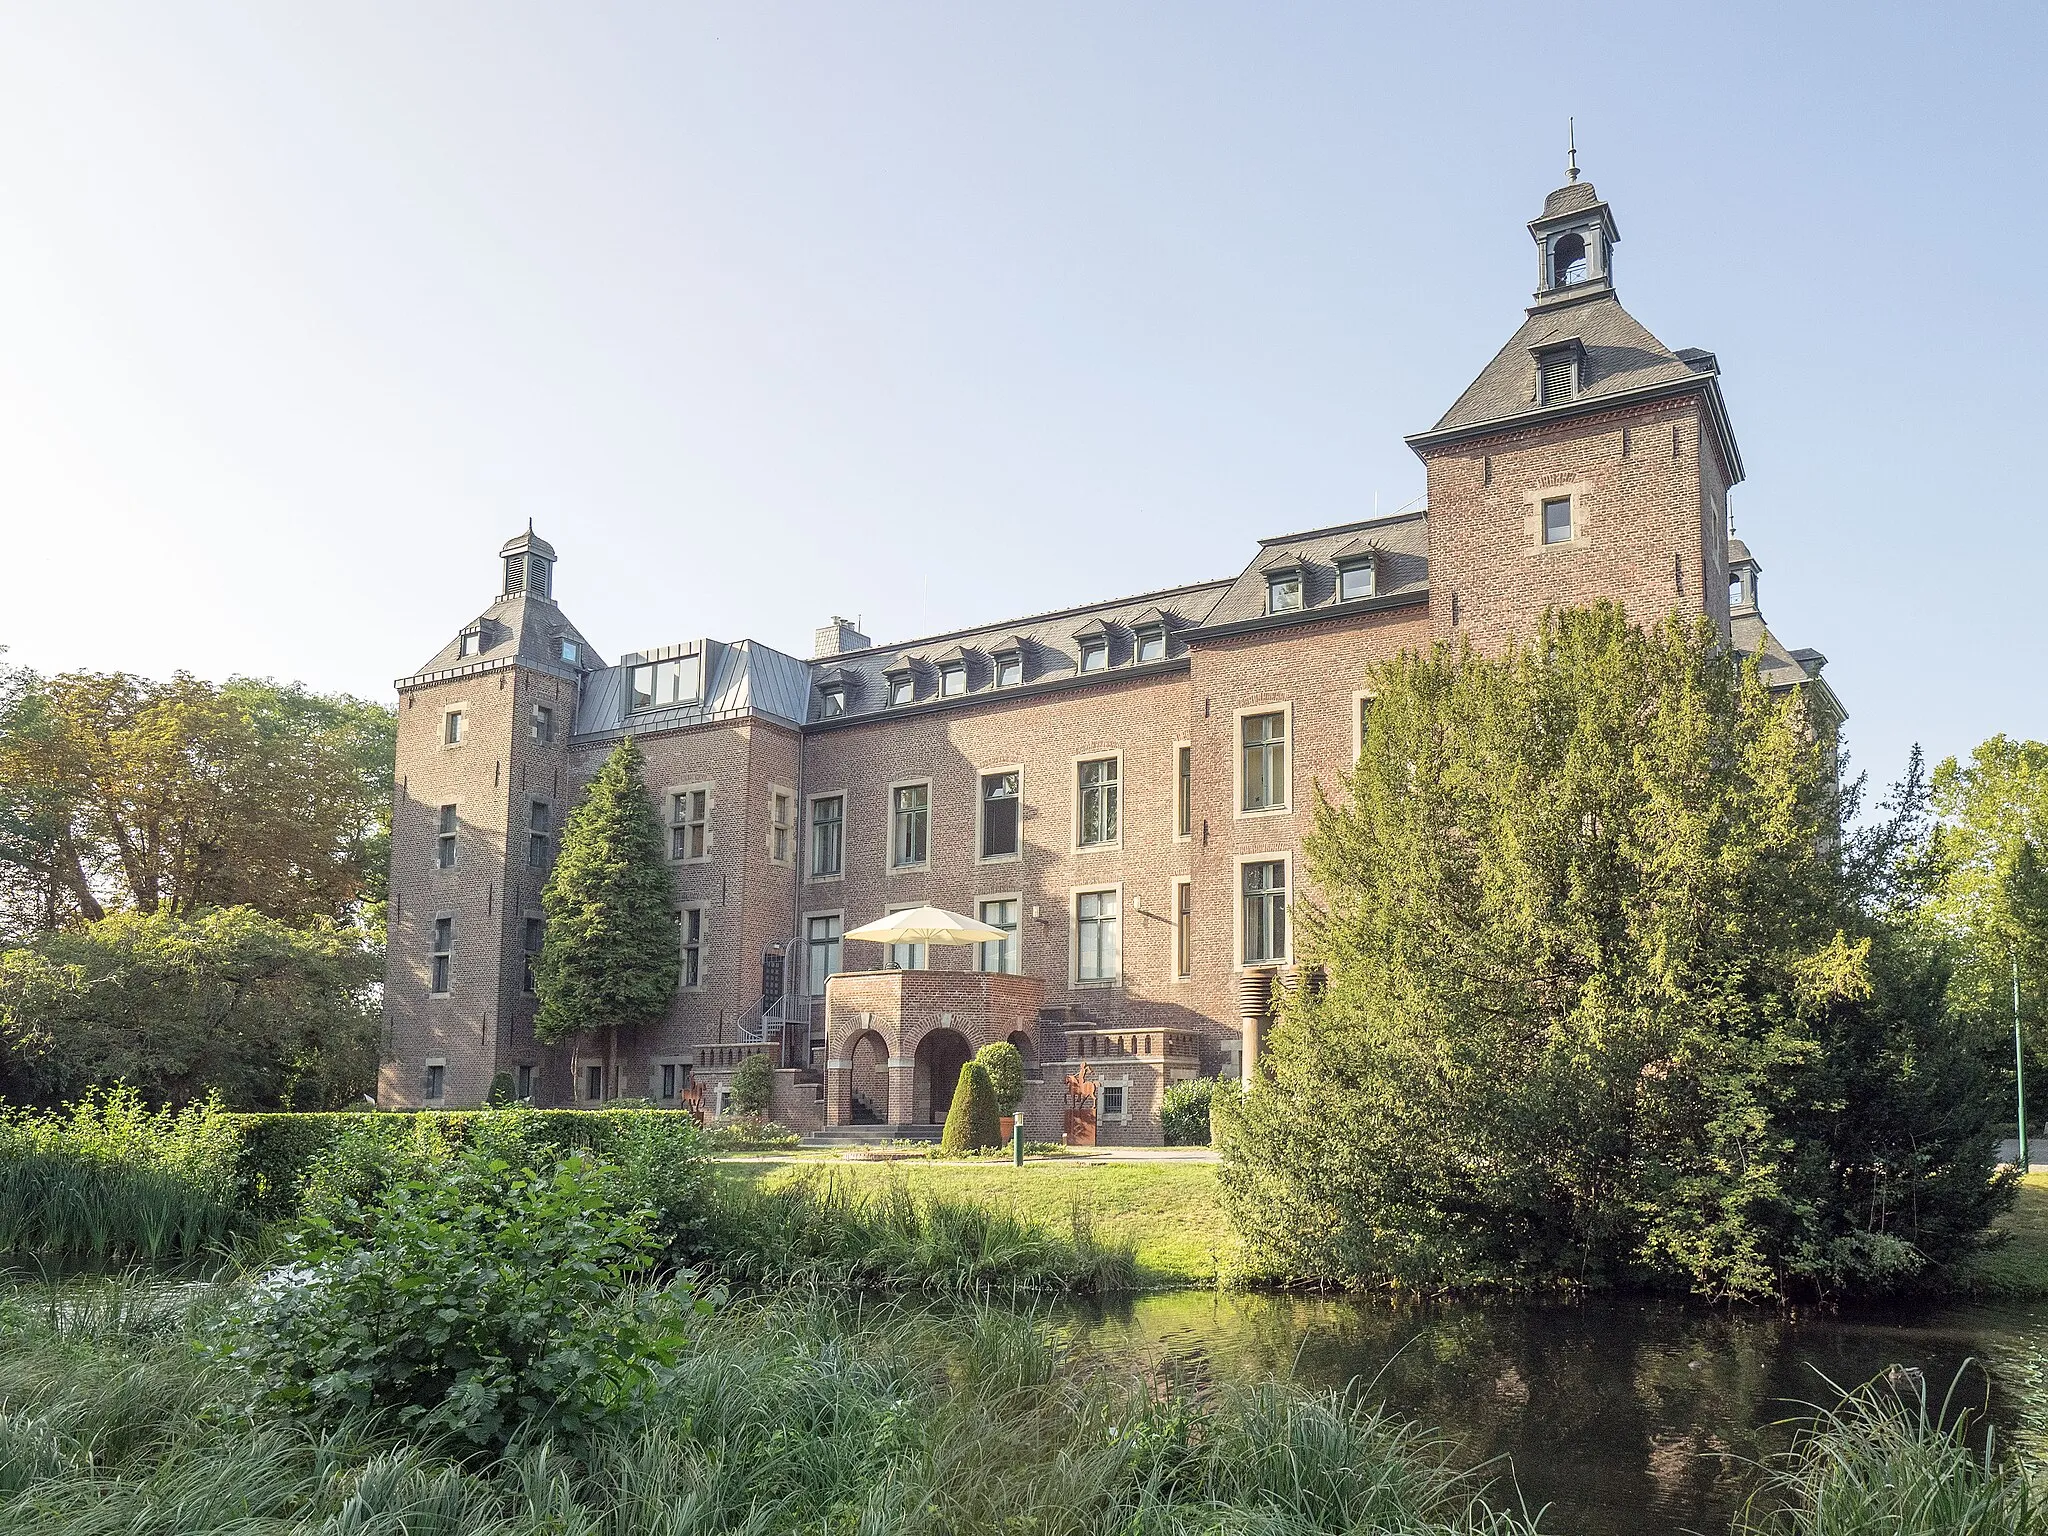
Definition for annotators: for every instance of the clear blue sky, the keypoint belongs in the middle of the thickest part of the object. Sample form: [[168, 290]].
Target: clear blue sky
[[940, 313]]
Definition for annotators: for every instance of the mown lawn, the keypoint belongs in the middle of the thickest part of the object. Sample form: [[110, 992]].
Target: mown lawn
[[2019, 1269], [1172, 1211]]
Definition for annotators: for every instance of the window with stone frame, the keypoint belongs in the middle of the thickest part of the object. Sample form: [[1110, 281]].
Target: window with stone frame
[[910, 811], [690, 945], [1557, 520], [1265, 911], [689, 833], [441, 961], [444, 841], [1000, 812], [781, 825], [540, 822], [822, 948], [1183, 790], [531, 939], [1098, 938], [1264, 746], [828, 836], [1100, 821], [999, 955], [543, 724]]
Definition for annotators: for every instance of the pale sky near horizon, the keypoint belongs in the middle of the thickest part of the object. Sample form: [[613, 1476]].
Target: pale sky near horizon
[[939, 314]]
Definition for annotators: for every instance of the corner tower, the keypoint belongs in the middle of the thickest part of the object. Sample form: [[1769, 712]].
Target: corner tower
[[482, 782], [1587, 460]]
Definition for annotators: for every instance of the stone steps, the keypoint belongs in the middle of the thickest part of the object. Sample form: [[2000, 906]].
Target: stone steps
[[869, 1135]]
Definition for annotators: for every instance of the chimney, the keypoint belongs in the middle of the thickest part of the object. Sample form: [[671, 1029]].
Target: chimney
[[837, 637]]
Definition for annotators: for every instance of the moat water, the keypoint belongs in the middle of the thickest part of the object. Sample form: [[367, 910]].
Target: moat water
[[1617, 1418]]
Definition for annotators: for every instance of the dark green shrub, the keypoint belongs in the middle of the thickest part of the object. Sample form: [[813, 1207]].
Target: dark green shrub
[[501, 1090], [1184, 1112], [1005, 1064], [753, 1086], [971, 1123], [488, 1301]]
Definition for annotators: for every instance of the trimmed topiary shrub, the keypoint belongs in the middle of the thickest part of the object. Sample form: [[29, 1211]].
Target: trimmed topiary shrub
[[753, 1085], [1005, 1064], [972, 1122], [1184, 1112]]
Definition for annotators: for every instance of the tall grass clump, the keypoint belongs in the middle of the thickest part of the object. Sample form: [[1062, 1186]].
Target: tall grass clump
[[111, 1181], [793, 1412], [892, 1238], [1886, 1461]]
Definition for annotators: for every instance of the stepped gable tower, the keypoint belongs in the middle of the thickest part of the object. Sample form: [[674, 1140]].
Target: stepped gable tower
[[1587, 460], [483, 732]]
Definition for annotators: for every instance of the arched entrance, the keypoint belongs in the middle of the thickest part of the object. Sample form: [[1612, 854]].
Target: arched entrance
[[940, 1056], [870, 1079], [1022, 1040]]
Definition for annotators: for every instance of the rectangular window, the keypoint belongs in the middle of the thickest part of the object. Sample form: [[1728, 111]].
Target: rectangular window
[[999, 811], [1098, 945], [908, 957], [444, 851], [1183, 928], [529, 948], [1094, 655], [663, 684], [952, 680], [821, 952], [571, 652], [1112, 1101], [451, 728], [1009, 670], [902, 688], [1355, 581], [1100, 825], [690, 935], [689, 824], [443, 959], [668, 1080], [999, 955], [436, 1076], [543, 724], [780, 828], [1151, 645], [472, 642], [910, 825], [828, 835], [539, 824], [593, 1081], [1183, 791], [1364, 718], [524, 1089], [1265, 911], [1557, 520], [833, 702], [1283, 592], [1265, 761]]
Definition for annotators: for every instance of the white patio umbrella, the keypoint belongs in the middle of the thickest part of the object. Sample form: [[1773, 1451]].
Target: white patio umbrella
[[926, 925]]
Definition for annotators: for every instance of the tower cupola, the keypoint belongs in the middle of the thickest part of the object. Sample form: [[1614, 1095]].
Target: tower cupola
[[1742, 573], [1575, 237], [529, 566]]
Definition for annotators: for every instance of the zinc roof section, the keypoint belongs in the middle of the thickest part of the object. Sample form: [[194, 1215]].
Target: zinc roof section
[[740, 680]]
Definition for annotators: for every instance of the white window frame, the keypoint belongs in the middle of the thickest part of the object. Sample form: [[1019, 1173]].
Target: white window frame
[[683, 945], [981, 825], [668, 801], [1177, 924], [1286, 711], [1359, 699], [789, 827], [838, 913], [811, 837], [1237, 908], [889, 823], [461, 712], [1016, 934], [921, 957], [1115, 844], [1174, 806], [1074, 895]]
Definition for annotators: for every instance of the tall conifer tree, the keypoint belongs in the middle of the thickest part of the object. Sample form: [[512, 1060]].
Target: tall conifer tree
[[609, 955]]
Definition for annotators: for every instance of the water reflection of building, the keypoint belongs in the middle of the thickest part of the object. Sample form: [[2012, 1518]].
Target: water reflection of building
[[1121, 787]]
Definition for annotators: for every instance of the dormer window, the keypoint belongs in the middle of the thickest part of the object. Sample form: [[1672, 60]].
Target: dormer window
[[571, 652], [1283, 591], [1568, 261], [663, 684], [952, 679], [831, 701], [1009, 669], [1095, 654], [472, 642], [1559, 372], [1357, 578], [902, 687], [1152, 643]]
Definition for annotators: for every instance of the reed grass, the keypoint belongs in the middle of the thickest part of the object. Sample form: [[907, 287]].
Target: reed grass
[[793, 1413]]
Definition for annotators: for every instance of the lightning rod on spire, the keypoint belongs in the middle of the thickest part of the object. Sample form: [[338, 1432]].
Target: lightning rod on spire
[[1571, 139]]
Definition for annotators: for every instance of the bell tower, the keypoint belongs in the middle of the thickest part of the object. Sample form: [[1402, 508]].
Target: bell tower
[[1586, 461]]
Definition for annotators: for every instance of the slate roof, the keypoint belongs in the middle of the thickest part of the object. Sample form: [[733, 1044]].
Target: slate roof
[[1573, 197], [522, 627], [1403, 540]]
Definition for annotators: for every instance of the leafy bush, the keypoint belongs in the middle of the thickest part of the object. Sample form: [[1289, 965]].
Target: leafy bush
[[486, 1302], [748, 1133], [972, 1123], [113, 1181], [753, 1086], [1184, 1112], [1005, 1064]]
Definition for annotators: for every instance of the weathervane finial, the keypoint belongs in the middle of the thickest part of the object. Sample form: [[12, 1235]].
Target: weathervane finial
[[1571, 139]]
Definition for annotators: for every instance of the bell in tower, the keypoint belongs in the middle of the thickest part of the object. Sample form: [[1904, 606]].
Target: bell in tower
[[529, 566]]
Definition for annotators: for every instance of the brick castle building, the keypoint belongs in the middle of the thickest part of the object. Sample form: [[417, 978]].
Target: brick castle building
[[1122, 788]]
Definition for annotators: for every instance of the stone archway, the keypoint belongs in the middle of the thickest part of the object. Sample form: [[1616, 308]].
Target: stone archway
[[940, 1056], [868, 1059], [1021, 1039]]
